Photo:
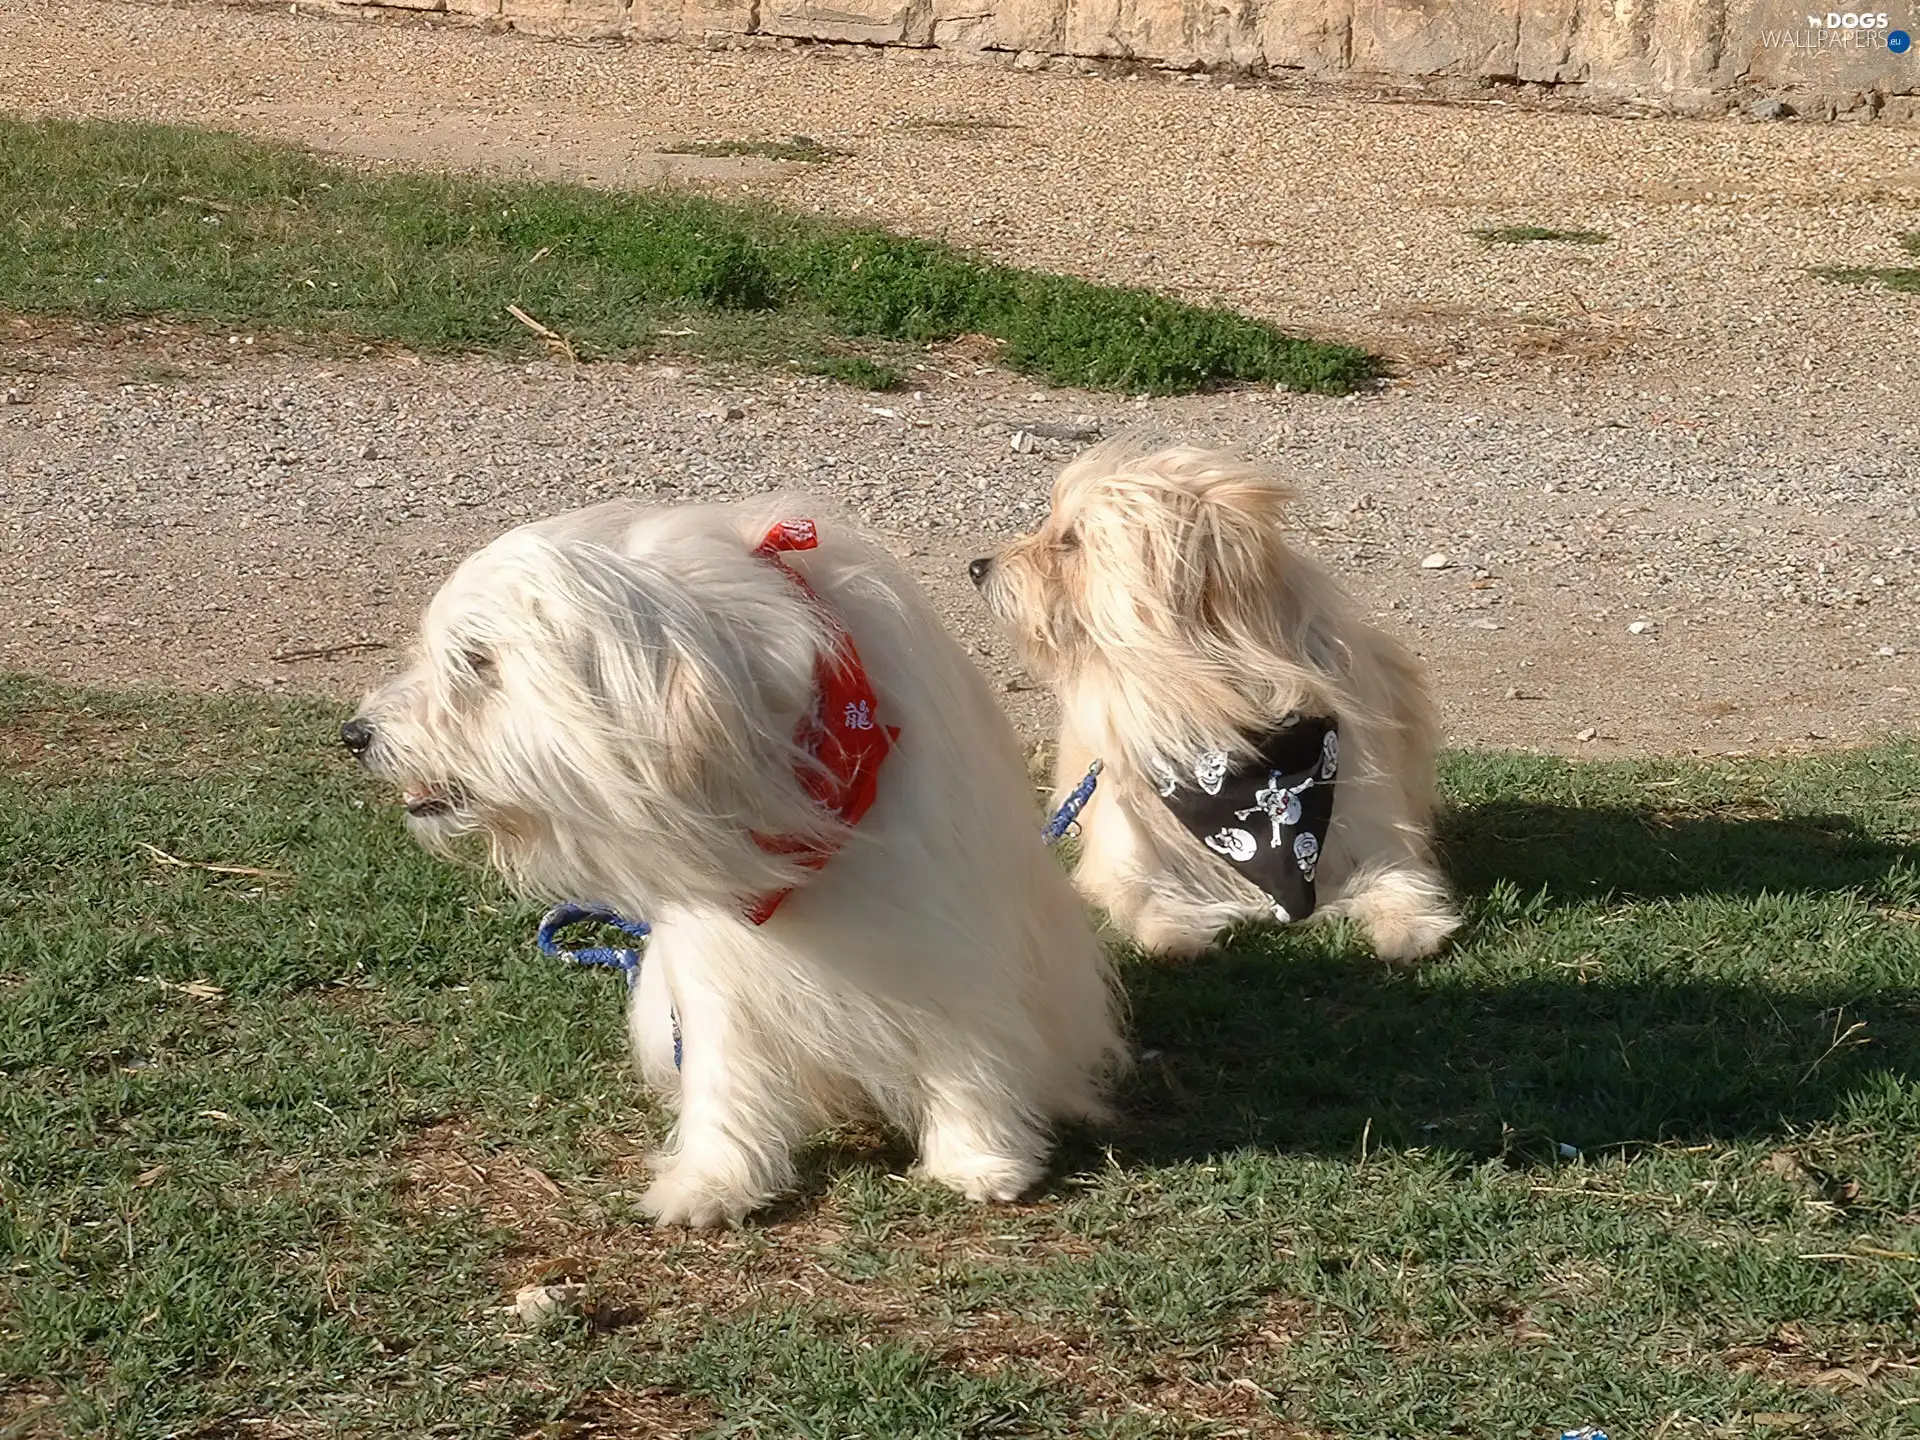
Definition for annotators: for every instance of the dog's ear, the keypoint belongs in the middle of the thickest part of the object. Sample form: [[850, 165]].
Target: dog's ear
[[680, 670], [1205, 539], [1236, 553], [1178, 544], [1255, 594], [611, 652]]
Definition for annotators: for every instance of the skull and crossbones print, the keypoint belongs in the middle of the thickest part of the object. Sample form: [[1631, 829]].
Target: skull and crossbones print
[[1289, 778], [1279, 802]]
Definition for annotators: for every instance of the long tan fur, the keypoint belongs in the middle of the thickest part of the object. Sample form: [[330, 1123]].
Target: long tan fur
[[1163, 603]]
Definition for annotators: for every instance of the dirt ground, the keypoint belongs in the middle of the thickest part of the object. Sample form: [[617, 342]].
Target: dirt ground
[[1681, 431]]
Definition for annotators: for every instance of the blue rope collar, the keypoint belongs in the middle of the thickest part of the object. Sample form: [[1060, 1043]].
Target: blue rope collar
[[627, 959]]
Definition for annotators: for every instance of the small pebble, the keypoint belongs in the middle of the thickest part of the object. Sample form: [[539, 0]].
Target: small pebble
[[1586, 735], [535, 1303], [1436, 561]]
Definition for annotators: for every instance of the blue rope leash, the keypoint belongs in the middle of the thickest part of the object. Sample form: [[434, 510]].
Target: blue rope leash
[[627, 959], [562, 916], [621, 958], [1071, 807]]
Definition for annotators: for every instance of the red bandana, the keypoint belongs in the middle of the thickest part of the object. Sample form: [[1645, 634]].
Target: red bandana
[[842, 730]]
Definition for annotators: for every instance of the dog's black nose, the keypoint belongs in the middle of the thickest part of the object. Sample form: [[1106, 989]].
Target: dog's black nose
[[978, 569], [357, 735]]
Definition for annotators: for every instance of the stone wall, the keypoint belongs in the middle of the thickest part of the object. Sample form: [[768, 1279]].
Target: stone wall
[[1690, 56]]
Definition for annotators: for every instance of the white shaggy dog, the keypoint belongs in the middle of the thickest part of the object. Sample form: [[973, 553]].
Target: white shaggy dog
[[685, 714], [1193, 650]]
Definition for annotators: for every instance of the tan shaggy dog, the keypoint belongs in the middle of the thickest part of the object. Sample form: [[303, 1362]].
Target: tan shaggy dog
[[1187, 641], [752, 731]]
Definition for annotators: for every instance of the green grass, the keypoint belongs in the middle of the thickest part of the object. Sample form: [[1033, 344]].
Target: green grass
[[795, 147], [859, 371], [1536, 234], [110, 221], [1892, 277], [293, 1199]]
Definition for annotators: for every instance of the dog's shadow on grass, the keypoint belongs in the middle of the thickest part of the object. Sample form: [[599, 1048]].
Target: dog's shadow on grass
[[1625, 977], [1576, 854]]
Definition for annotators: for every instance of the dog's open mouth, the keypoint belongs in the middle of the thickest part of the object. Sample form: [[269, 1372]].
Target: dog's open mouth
[[426, 802]]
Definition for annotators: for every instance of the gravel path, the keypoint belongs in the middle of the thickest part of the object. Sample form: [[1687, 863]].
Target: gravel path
[[194, 530], [1678, 430]]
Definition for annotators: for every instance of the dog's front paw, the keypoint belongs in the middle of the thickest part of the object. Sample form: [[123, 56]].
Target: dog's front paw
[[1172, 934], [1407, 924], [701, 1202], [1408, 940], [983, 1177]]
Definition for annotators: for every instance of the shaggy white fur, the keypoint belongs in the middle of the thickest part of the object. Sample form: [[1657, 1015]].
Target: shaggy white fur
[[610, 699], [1162, 602]]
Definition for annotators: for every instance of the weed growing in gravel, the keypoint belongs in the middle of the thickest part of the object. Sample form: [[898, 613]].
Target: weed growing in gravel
[[795, 147], [858, 371], [1893, 277], [961, 124], [106, 220], [1535, 234], [277, 1145]]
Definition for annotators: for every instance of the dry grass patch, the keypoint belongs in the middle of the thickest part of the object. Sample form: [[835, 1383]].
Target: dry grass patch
[[70, 742], [655, 1413], [1839, 1363]]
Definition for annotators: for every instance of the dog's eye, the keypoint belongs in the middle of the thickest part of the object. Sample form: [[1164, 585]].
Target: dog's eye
[[1068, 540], [479, 662]]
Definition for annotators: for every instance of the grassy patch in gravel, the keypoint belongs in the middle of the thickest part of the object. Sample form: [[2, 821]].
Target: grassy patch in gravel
[[795, 147], [1892, 277], [277, 1145], [961, 124], [858, 371], [1537, 234], [110, 221]]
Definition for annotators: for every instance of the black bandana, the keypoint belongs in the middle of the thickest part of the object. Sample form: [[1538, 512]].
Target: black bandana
[[1268, 816]]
